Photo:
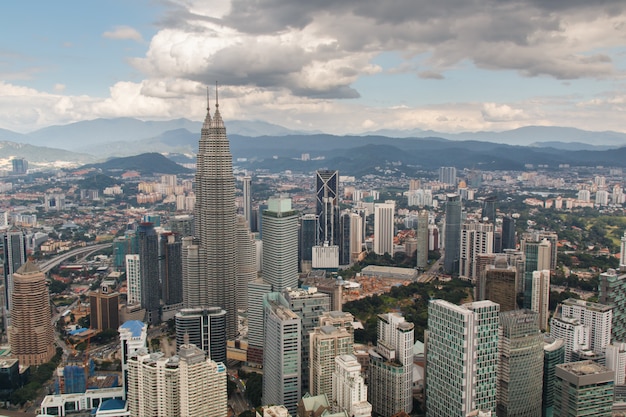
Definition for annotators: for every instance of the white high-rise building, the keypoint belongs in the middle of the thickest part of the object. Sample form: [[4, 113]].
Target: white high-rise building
[[349, 392], [326, 343], [541, 297], [180, 386], [574, 334], [281, 354], [616, 360], [383, 228], [202, 384], [391, 366], [476, 238], [133, 278], [602, 197], [133, 336], [447, 175], [598, 318], [584, 195], [280, 244], [462, 359]]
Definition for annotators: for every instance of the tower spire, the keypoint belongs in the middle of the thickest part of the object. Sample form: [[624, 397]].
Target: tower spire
[[217, 118], [207, 119]]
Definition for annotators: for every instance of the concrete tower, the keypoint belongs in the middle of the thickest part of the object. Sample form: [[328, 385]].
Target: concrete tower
[[383, 228], [31, 332], [215, 218], [14, 244], [349, 390]]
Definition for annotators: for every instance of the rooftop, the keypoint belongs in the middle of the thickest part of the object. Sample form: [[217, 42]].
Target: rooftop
[[135, 327]]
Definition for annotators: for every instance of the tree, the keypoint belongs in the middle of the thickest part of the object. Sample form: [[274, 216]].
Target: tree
[[254, 389]]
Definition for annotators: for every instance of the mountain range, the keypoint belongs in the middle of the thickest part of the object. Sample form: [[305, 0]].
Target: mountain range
[[261, 145]]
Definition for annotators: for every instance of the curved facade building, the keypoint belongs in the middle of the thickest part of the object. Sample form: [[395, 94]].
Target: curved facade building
[[205, 328], [32, 334]]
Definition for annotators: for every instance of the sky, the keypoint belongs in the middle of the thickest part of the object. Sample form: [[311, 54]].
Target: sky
[[342, 67]]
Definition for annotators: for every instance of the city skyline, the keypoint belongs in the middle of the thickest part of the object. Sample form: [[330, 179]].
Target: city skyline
[[448, 67]]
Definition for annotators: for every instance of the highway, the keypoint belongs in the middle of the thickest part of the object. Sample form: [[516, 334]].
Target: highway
[[57, 260]]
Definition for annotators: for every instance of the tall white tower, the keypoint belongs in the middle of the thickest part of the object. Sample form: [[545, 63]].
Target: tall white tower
[[280, 244], [349, 390], [383, 228]]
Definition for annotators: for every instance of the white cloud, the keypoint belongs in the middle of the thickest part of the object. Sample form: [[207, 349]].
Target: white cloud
[[59, 88], [123, 33]]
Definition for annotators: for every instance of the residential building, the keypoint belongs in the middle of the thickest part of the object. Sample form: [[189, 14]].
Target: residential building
[[391, 366], [540, 301], [598, 318], [612, 291], [349, 391], [325, 344], [476, 238], [575, 335]]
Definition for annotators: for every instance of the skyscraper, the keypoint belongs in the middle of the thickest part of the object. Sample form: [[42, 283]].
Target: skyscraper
[[508, 233], [538, 258], [421, 235], [498, 283], [31, 335], [520, 370], [247, 200], [583, 389], [281, 355], [327, 195], [452, 240], [308, 239], [171, 268], [447, 175], [574, 334], [280, 244], [246, 262], [476, 238], [462, 346], [383, 228], [612, 289], [326, 343], [14, 255], [540, 301], [103, 308], [215, 220], [597, 317], [204, 328], [133, 278], [553, 355], [149, 271], [391, 366]]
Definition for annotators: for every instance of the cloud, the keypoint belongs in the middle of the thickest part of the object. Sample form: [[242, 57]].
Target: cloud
[[493, 112], [59, 88], [430, 75], [123, 33]]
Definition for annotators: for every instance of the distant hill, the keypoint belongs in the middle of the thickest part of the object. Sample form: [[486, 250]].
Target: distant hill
[[146, 164], [42, 155]]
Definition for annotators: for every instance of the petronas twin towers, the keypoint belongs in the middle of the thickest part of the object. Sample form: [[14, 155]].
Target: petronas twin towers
[[212, 277]]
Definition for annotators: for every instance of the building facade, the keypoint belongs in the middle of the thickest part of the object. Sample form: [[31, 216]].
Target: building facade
[[383, 228], [462, 346], [204, 328]]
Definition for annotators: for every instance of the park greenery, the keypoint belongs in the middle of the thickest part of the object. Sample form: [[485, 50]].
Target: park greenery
[[410, 300]]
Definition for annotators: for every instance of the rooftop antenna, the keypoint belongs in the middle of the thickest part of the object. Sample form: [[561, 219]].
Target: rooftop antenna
[[217, 104]]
